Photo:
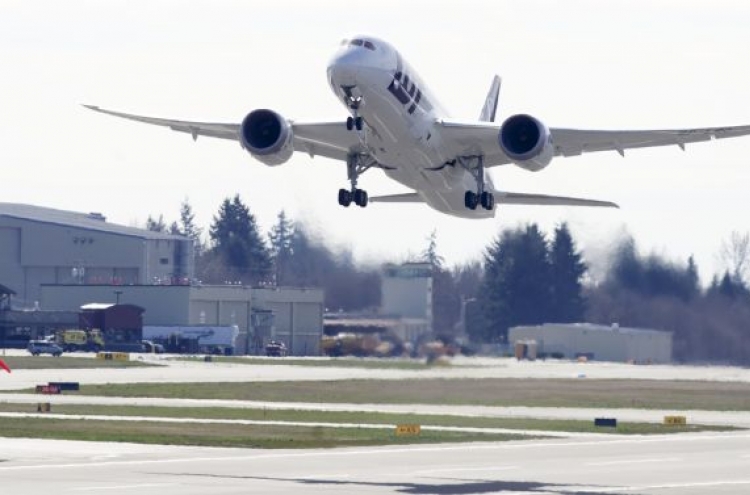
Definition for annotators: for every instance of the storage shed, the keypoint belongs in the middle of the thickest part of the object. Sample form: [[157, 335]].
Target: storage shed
[[599, 342]]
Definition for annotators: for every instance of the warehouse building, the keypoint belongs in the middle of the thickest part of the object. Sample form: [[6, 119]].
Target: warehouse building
[[291, 315], [603, 343], [48, 246], [58, 261]]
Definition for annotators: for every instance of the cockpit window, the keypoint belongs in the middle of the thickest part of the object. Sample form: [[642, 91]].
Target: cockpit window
[[358, 42], [344, 42]]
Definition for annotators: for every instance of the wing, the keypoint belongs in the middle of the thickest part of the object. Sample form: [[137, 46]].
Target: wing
[[474, 138], [329, 139], [572, 142]]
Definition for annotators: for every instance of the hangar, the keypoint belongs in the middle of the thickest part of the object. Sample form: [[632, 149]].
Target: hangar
[[47, 246], [600, 342], [58, 261]]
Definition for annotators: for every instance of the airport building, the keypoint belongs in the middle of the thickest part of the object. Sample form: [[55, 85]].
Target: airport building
[[54, 262], [407, 290], [48, 246], [291, 315], [599, 342]]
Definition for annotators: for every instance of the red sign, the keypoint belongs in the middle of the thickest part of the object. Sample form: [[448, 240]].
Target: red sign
[[47, 389]]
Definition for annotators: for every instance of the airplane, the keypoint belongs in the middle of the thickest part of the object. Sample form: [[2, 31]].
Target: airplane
[[397, 125]]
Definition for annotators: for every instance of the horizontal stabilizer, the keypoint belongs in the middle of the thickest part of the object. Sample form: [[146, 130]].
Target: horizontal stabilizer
[[398, 198], [510, 198]]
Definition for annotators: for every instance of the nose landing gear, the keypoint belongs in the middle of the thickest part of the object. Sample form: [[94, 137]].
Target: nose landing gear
[[354, 123]]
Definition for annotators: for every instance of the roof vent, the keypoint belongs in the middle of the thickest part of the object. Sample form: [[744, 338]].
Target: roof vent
[[95, 215]]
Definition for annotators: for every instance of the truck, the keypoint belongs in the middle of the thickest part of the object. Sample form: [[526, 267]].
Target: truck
[[193, 339], [80, 340]]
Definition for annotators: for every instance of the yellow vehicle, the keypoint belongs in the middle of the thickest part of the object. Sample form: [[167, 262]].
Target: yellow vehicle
[[80, 340]]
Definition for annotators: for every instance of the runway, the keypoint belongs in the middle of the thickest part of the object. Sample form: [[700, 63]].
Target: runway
[[666, 465], [694, 463]]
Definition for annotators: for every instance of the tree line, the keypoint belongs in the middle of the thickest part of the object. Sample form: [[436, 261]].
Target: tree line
[[525, 277]]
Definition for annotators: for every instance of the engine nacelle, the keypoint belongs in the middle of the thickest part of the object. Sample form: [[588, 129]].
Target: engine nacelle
[[527, 142], [267, 136]]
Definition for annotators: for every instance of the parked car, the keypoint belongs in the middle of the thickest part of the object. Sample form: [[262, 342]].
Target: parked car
[[37, 347], [152, 347], [276, 349]]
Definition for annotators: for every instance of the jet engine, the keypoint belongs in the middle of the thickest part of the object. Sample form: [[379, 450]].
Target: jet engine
[[267, 136], [527, 142]]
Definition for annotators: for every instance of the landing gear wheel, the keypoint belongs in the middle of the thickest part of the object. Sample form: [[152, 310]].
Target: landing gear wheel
[[360, 198], [471, 200], [487, 199], [345, 197], [354, 123]]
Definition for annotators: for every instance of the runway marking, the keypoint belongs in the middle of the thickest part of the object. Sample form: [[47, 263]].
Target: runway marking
[[634, 461], [455, 470], [119, 487]]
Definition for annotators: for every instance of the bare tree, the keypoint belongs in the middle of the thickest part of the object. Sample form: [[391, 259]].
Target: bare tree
[[735, 255]]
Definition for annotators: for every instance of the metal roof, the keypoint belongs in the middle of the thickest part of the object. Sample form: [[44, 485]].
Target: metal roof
[[593, 327], [87, 221]]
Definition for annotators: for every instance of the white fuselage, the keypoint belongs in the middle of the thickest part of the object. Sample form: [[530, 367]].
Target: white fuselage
[[399, 112]]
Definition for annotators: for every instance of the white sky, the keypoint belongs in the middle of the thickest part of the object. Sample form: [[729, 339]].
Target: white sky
[[586, 64]]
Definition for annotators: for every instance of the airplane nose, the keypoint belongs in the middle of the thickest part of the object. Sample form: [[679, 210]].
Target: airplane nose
[[344, 67]]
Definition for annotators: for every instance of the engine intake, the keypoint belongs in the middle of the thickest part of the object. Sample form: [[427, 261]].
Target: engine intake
[[526, 141], [267, 136]]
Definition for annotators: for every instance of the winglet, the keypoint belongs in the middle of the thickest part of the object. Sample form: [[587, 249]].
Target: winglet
[[489, 110]]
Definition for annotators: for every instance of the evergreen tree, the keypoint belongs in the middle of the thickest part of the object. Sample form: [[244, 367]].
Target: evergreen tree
[[281, 236], [430, 255], [156, 224], [446, 302], [692, 280], [567, 270], [236, 240], [516, 285], [189, 229]]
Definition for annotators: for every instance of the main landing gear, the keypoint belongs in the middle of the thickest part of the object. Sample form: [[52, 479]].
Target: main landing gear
[[475, 166], [356, 165]]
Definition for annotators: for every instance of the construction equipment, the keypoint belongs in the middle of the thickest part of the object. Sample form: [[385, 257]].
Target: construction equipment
[[80, 340]]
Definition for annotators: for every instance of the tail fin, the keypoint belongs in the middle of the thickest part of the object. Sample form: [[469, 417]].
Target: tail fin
[[490, 103]]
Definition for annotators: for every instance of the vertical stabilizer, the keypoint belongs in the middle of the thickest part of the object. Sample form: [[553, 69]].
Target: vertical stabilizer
[[490, 104]]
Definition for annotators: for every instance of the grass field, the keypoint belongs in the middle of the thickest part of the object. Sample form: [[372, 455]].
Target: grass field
[[227, 435], [307, 416], [66, 362], [642, 394]]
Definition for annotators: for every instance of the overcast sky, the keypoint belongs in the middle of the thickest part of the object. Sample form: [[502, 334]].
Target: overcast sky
[[585, 64]]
